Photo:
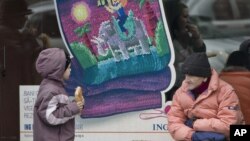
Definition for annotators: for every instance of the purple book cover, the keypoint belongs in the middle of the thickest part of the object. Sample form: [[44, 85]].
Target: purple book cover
[[121, 53]]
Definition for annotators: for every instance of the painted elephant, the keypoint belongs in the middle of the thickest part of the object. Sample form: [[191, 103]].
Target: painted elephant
[[122, 43]]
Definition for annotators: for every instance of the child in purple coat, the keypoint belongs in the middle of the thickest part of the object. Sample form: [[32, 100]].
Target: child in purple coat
[[54, 113]]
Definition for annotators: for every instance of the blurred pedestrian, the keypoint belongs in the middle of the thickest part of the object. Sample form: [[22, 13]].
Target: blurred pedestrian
[[204, 107], [185, 36], [17, 55], [237, 74]]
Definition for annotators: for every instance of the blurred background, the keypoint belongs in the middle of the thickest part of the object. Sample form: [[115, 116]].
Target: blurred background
[[223, 24], [43, 21]]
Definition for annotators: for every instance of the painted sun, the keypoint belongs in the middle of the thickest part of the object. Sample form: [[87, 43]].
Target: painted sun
[[80, 12]]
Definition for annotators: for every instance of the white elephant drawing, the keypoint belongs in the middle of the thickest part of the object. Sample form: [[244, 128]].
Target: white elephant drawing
[[119, 43]]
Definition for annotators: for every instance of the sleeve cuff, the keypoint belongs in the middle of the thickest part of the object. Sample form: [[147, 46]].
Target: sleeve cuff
[[74, 108]]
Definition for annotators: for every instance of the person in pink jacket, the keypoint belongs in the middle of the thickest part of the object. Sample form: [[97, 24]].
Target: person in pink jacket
[[205, 106]]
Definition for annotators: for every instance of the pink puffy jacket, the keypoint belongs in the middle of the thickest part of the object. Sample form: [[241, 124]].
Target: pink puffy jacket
[[216, 109]]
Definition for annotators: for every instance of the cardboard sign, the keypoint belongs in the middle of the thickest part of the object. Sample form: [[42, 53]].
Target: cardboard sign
[[147, 125]]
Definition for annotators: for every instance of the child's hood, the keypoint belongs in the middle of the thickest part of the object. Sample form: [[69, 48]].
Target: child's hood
[[51, 63]]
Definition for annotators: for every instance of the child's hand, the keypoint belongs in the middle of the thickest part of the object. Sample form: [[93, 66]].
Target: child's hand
[[80, 105]]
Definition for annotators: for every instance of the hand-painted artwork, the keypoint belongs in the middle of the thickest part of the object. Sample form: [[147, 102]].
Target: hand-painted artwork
[[121, 53]]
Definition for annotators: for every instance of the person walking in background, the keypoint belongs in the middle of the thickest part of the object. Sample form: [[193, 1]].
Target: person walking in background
[[185, 36], [54, 113], [17, 56], [237, 74], [204, 106]]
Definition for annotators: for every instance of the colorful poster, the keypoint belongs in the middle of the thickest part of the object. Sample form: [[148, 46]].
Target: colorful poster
[[122, 54]]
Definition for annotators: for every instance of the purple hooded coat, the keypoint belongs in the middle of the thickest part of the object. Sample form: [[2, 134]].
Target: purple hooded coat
[[53, 112]]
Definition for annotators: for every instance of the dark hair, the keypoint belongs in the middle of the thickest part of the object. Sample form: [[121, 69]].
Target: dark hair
[[173, 10], [237, 58], [68, 60], [245, 47]]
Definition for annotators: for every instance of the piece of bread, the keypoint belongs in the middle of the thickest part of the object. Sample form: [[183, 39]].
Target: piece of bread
[[78, 94]]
